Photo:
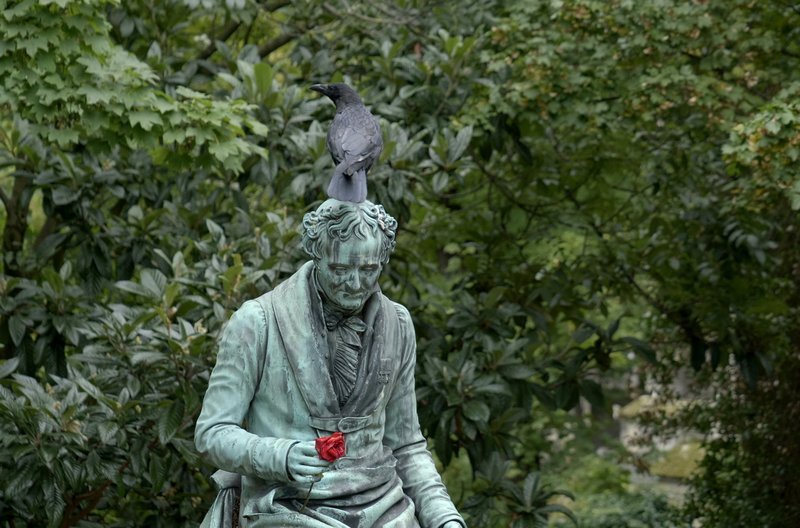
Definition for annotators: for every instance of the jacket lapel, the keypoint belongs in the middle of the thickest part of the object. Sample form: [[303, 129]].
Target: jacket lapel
[[373, 367], [304, 338]]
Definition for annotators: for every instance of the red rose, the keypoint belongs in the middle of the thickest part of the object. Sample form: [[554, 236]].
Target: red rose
[[330, 447]]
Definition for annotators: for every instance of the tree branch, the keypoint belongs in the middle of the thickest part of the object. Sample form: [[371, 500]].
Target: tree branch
[[681, 316], [392, 18], [790, 53], [278, 42], [531, 209], [48, 229], [4, 198], [94, 496], [233, 25], [16, 223], [226, 33]]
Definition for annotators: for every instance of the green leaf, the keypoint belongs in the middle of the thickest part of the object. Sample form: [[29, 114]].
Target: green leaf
[[593, 393], [641, 349], [95, 95], [223, 151], [17, 329], [145, 119], [64, 195], [169, 421], [613, 327], [174, 135], [188, 452], [154, 282], [232, 276], [567, 394], [132, 287], [127, 27], [558, 508], [148, 357], [263, 75], [459, 145], [62, 136], [477, 411], [494, 296], [440, 181], [108, 432], [517, 371], [214, 228], [157, 472], [583, 333], [8, 366], [530, 488], [544, 396]]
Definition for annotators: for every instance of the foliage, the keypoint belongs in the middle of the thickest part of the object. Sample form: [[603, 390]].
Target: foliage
[[632, 510], [749, 475], [496, 498], [114, 437], [576, 181], [63, 73]]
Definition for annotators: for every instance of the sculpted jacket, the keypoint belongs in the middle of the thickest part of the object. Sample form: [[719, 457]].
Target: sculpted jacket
[[271, 387]]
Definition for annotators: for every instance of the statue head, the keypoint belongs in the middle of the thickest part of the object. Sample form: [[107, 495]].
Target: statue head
[[350, 243]]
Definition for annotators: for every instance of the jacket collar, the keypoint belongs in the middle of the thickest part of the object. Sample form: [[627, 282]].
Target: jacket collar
[[298, 312]]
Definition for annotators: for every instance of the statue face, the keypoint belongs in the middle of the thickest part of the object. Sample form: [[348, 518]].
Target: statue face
[[348, 272]]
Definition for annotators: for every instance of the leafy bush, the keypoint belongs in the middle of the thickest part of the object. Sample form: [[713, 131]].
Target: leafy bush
[[112, 440], [627, 510], [750, 475], [575, 181]]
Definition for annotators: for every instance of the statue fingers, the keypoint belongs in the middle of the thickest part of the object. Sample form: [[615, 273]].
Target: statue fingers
[[308, 478], [315, 462], [305, 448], [300, 452], [306, 472]]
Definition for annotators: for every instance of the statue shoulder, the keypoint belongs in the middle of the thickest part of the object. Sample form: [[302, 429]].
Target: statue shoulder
[[252, 312], [403, 315]]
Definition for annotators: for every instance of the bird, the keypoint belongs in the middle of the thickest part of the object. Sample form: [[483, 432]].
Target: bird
[[354, 142]]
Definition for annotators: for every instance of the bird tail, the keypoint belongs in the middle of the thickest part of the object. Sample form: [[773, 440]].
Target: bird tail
[[348, 188]]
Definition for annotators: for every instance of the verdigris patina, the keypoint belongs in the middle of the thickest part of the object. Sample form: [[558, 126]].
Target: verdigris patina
[[325, 351]]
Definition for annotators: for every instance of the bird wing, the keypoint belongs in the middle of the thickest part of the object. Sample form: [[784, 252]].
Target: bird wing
[[335, 134], [356, 144], [354, 140]]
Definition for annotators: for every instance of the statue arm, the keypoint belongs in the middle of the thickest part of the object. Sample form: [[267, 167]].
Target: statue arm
[[415, 466], [219, 433]]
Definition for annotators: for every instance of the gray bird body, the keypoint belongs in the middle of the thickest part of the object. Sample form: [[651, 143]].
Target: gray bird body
[[354, 142]]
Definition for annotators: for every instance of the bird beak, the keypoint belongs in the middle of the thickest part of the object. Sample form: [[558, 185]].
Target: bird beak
[[321, 88]]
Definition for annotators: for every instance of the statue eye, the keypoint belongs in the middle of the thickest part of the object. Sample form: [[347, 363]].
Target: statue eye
[[338, 270]]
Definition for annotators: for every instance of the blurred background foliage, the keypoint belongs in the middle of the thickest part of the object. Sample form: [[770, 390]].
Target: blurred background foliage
[[598, 200]]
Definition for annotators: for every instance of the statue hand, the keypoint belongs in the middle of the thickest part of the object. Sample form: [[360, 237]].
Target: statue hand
[[304, 464], [451, 524]]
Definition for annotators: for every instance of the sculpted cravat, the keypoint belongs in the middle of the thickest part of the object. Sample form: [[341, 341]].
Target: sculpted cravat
[[347, 332]]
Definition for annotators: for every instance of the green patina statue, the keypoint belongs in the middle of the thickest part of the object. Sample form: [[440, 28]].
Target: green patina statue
[[324, 352]]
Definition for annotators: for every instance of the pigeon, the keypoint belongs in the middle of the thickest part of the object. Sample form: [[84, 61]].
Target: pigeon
[[354, 141]]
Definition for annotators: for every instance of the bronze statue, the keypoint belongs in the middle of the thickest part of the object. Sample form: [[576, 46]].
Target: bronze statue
[[323, 353]]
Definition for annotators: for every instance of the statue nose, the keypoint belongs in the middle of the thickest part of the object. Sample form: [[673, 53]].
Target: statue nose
[[354, 281]]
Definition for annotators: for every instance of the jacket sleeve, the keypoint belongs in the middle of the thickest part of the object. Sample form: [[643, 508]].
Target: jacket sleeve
[[415, 466], [219, 434]]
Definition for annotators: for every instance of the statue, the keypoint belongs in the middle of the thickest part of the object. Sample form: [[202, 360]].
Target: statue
[[325, 355]]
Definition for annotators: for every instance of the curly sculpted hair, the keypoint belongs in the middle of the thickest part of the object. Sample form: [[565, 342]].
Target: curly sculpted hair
[[341, 220]]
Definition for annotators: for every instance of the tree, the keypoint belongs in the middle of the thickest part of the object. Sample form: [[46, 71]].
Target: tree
[[574, 181]]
